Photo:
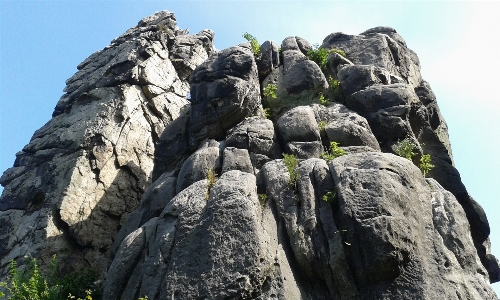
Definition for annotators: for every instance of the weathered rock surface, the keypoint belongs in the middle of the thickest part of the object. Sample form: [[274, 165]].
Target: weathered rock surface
[[170, 197], [298, 81], [85, 171], [382, 47]]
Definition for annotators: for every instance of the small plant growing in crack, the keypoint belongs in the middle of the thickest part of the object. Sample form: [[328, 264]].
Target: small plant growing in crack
[[211, 180], [267, 113], [270, 91], [262, 199], [405, 148], [322, 125], [291, 162], [333, 152], [329, 196], [335, 88], [425, 164], [322, 100]]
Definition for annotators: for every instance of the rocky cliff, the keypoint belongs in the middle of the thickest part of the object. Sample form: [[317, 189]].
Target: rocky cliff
[[163, 169]]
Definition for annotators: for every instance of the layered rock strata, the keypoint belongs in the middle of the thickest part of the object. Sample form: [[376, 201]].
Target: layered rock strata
[[161, 164]]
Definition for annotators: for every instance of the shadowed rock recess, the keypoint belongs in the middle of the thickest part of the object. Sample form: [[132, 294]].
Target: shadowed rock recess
[[160, 170]]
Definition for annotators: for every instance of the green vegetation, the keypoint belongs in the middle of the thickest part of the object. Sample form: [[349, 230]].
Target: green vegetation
[[267, 113], [318, 55], [329, 196], [425, 164], [212, 179], [291, 162], [31, 284], [253, 43], [322, 125], [405, 148], [323, 100], [341, 52], [334, 87], [262, 199], [333, 152], [270, 91]]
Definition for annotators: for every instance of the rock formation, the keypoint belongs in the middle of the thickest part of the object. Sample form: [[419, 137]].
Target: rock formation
[[160, 170]]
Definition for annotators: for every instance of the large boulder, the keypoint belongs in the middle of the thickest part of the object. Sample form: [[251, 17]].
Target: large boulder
[[380, 46], [415, 230], [258, 137], [224, 90], [387, 108], [299, 132]]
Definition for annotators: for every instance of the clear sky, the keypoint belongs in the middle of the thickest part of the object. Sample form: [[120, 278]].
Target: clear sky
[[42, 42]]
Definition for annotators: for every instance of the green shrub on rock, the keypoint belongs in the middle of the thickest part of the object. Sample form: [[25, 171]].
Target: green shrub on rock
[[253, 43], [425, 164], [270, 91], [291, 162], [333, 152], [318, 55], [405, 148]]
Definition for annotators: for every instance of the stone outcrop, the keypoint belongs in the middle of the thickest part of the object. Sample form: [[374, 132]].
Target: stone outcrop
[[160, 170], [85, 171]]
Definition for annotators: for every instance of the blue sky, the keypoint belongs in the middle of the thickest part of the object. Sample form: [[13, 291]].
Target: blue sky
[[42, 42]]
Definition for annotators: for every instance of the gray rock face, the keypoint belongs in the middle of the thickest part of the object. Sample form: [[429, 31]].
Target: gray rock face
[[300, 132], [269, 59], [224, 90], [169, 197], [84, 172], [344, 126], [298, 81], [386, 107], [217, 248], [401, 228], [381, 47]]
